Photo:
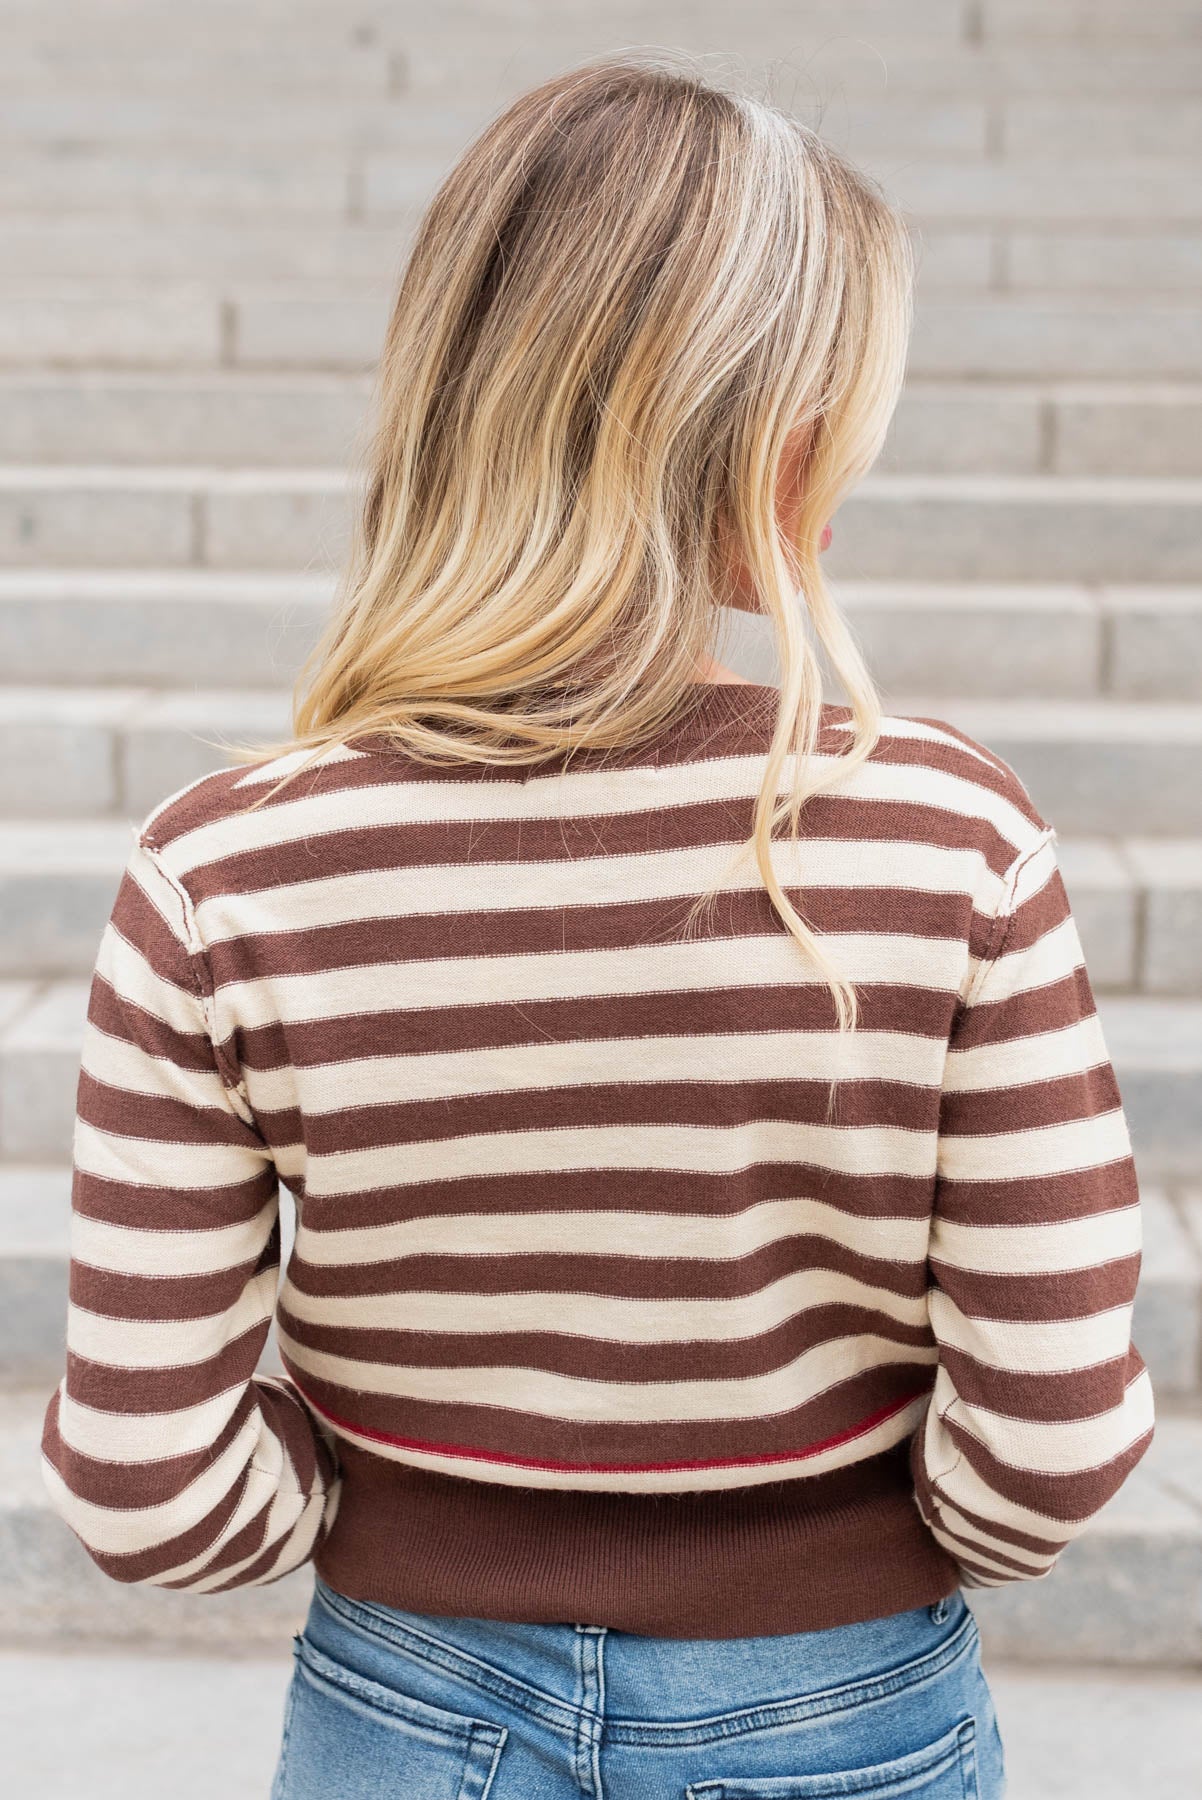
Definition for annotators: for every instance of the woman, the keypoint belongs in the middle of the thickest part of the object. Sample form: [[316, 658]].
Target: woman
[[717, 1227]]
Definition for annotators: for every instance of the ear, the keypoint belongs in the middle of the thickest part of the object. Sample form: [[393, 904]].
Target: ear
[[791, 479]]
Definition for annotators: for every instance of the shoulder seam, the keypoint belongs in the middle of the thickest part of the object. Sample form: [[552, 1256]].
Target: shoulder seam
[[201, 976], [1004, 916]]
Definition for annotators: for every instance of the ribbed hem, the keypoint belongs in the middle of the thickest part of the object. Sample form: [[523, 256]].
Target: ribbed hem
[[789, 1556]]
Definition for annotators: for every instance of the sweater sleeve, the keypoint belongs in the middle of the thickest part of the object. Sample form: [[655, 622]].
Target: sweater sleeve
[[171, 1461], [1042, 1404]]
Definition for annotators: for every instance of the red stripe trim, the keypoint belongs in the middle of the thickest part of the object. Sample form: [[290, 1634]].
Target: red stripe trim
[[534, 1462]]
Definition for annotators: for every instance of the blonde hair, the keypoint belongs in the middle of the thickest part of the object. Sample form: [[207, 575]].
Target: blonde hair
[[630, 294]]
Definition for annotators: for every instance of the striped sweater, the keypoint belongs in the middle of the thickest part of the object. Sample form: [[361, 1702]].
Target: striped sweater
[[596, 1311]]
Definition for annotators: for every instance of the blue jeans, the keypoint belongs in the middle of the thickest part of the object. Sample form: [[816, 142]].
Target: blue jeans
[[404, 1706]]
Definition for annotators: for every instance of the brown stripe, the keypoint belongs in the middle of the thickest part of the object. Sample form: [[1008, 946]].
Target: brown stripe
[[1056, 1295], [1064, 1396], [604, 1359], [154, 938], [862, 1105], [171, 1209], [593, 1017], [281, 949], [128, 1487], [588, 1274], [691, 1192], [506, 1432], [1040, 1199], [1068, 1497], [162, 1297], [117, 1016], [111, 1387], [992, 1530], [155, 1118], [245, 1542], [663, 824]]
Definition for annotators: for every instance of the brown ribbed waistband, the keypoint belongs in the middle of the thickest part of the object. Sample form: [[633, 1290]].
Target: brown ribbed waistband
[[789, 1556]]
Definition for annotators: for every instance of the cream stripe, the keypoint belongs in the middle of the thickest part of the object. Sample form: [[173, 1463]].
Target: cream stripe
[[598, 1316], [145, 1437], [122, 1531], [1020, 1250], [690, 1149], [1027, 1154], [257, 1492], [136, 1072], [1055, 1446], [1032, 1346], [127, 971], [955, 1520], [127, 1250], [160, 1166], [693, 967], [601, 1232], [602, 880], [292, 1535], [969, 1491], [738, 1474], [537, 1391], [333, 1087], [1040, 1056], [159, 1343], [977, 1552], [966, 1488]]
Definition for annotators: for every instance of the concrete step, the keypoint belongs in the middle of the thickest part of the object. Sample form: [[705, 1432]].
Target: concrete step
[[113, 68], [127, 246], [172, 416], [890, 124], [172, 628], [402, 123], [80, 411], [1084, 21], [1094, 261], [963, 640], [1031, 339], [1052, 335], [1011, 528], [833, 63], [1137, 901], [206, 181], [1128, 1593], [35, 1204], [1155, 1045], [1096, 768], [1017, 191], [1141, 258], [1019, 528], [921, 50]]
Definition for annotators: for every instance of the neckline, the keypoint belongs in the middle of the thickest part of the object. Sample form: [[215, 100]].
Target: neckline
[[746, 703], [750, 706]]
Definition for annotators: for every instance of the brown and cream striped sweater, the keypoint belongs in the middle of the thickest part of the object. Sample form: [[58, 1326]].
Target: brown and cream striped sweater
[[593, 1313]]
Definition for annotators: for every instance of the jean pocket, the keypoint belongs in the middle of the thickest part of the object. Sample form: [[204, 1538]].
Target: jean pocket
[[944, 1770], [354, 1738]]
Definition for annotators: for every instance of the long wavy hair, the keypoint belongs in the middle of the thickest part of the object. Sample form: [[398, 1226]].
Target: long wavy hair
[[632, 295]]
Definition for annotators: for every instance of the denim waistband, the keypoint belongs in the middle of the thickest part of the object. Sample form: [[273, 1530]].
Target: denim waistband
[[640, 1684]]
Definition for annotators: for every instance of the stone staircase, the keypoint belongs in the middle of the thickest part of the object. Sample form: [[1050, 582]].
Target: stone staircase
[[201, 218]]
